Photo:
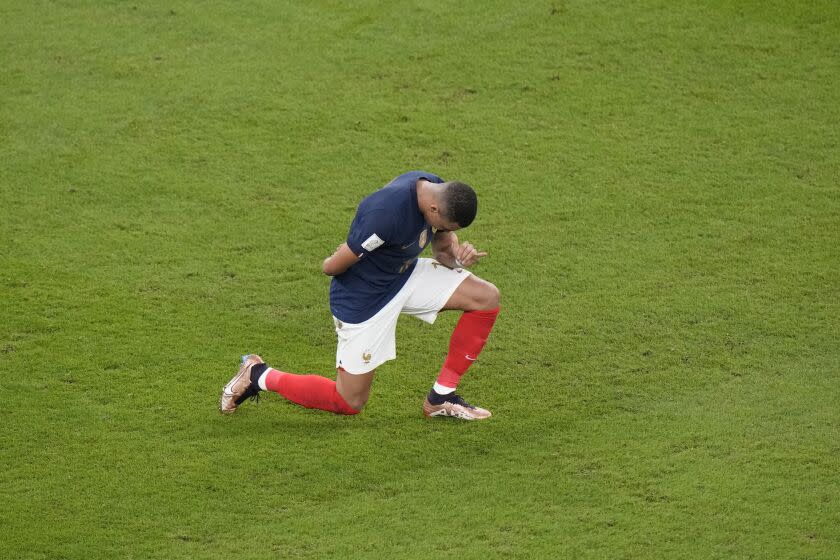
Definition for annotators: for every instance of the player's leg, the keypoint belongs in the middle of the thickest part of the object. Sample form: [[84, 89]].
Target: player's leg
[[315, 391], [446, 289], [310, 391], [354, 389], [479, 300], [362, 347], [474, 294]]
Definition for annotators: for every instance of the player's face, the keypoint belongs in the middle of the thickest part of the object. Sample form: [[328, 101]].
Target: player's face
[[437, 221]]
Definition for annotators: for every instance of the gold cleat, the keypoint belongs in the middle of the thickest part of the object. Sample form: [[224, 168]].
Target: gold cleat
[[239, 388], [456, 407]]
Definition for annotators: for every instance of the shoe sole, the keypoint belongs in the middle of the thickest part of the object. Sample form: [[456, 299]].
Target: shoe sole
[[244, 369]]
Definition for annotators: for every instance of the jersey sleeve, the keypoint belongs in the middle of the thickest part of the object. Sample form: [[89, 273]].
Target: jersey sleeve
[[370, 230]]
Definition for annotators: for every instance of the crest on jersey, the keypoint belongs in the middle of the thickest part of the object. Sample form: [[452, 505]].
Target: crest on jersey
[[424, 238], [366, 356]]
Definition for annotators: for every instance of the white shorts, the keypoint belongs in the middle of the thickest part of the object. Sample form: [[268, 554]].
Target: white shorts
[[362, 347]]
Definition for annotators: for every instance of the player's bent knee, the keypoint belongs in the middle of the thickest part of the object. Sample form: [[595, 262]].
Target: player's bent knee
[[490, 297], [350, 411], [355, 405], [352, 390]]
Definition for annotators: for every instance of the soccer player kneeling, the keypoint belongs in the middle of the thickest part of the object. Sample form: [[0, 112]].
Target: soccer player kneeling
[[377, 275]]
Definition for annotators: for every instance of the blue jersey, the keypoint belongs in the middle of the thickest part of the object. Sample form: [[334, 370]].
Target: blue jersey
[[388, 233]]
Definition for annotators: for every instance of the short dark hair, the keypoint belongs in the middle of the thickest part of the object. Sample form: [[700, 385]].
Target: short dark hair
[[460, 203]]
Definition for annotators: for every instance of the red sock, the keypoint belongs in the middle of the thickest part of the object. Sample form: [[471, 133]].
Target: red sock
[[466, 343], [311, 391]]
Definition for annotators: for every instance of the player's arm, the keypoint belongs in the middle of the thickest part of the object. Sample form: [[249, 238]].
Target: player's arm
[[341, 260], [448, 251], [368, 232], [444, 247]]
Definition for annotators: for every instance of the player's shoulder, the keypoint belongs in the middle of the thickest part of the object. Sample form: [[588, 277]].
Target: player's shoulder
[[395, 195]]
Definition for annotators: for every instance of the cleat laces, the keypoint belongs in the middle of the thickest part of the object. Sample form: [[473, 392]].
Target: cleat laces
[[455, 398], [250, 393]]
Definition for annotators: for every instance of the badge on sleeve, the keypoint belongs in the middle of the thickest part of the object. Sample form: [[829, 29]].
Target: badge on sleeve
[[372, 242]]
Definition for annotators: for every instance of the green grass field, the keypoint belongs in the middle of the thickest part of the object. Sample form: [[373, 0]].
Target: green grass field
[[659, 197]]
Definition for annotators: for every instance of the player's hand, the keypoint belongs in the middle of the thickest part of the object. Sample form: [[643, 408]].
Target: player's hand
[[467, 255]]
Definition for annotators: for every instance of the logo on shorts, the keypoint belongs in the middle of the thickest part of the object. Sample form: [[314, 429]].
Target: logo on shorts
[[366, 356]]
